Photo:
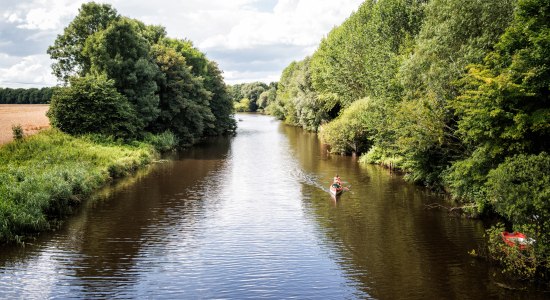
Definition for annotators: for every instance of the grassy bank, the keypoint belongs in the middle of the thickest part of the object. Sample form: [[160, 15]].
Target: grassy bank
[[43, 176]]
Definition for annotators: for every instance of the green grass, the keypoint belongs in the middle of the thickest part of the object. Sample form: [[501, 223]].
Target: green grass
[[43, 176]]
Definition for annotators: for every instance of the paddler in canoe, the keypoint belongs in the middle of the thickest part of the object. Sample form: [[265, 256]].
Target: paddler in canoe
[[336, 187]]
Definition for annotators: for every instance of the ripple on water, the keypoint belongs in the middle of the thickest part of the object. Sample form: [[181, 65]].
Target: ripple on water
[[249, 217]]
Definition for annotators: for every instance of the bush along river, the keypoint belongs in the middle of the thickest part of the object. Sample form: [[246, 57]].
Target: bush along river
[[251, 217]]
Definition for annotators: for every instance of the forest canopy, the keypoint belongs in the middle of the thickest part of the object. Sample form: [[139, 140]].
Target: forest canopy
[[26, 96]]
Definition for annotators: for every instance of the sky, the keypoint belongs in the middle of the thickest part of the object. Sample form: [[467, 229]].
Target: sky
[[251, 40]]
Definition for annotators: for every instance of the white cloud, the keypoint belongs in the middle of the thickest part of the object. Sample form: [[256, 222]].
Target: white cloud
[[234, 77], [228, 31], [41, 14], [292, 22], [27, 72]]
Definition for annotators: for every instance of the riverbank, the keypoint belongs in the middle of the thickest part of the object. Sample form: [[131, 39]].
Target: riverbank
[[43, 176]]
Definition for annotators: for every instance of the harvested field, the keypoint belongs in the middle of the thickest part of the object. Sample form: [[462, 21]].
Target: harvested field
[[32, 117]]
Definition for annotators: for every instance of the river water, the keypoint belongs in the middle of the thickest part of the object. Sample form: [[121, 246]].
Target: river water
[[250, 217]]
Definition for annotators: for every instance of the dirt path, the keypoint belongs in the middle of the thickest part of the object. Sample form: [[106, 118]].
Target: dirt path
[[32, 117]]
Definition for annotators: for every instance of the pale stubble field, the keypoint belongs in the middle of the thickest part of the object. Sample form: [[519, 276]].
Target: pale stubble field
[[32, 117]]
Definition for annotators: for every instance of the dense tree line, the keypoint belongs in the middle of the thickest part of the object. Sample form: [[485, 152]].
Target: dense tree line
[[454, 92], [125, 78], [251, 97], [26, 96]]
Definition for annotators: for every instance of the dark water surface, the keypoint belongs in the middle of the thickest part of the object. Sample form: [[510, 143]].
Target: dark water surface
[[250, 217]]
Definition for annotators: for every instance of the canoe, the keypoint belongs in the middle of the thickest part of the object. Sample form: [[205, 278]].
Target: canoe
[[519, 239], [336, 189]]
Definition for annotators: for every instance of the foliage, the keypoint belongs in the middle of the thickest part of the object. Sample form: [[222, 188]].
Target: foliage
[[243, 105], [183, 99], [267, 97], [350, 131], [296, 102], [163, 142], [168, 83], [519, 189], [47, 173], [517, 263], [25, 96], [250, 91], [193, 57], [207, 74], [122, 53], [17, 131], [504, 110], [347, 66], [221, 104], [453, 35], [377, 155], [92, 105], [67, 50]]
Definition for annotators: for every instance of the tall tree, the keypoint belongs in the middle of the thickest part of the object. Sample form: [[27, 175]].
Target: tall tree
[[184, 102], [505, 109], [122, 53], [453, 35], [67, 48], [221, 103]]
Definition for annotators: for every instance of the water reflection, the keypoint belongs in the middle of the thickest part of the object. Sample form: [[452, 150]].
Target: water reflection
[[250, 217], [385, 237]]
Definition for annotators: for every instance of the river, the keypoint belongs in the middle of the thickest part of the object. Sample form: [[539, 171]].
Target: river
[[250, 217]]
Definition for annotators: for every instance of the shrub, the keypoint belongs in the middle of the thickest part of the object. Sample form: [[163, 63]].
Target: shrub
[[17, 132], [517, 263], [92, 104], [378, 155], [519, 189], [243, 105], [350, 132]]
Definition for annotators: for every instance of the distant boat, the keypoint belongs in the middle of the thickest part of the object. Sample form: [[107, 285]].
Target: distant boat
[[516, 239]]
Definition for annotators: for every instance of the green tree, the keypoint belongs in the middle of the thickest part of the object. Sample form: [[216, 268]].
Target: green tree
[[351, 131], [504, 110], [92, 105], [67, 48], [221, 103], [122, 53], [243, 105], [184, 107], [193, 56], [252, 91], [519, 189], [361, 57], [296, 101], [453, 35]]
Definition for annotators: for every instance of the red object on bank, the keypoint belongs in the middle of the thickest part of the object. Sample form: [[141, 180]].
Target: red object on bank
[[516, 239]]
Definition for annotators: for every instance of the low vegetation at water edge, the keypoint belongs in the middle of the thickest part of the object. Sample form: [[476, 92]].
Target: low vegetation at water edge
[[43, 176]]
